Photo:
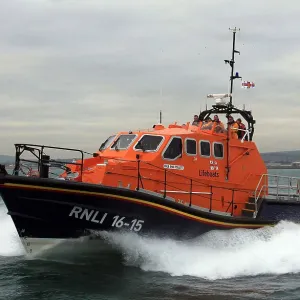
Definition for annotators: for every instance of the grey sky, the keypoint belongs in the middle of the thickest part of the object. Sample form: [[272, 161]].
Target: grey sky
[[73, 72]]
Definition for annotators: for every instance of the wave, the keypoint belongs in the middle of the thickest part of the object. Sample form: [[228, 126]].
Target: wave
[[217, 254], [10, 244]]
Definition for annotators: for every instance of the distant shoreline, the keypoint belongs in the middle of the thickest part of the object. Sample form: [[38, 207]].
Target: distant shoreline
[[284, 167]]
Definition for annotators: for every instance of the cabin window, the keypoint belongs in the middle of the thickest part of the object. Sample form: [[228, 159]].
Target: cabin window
[[105, 144], [149, 143], [205, 148], [190, 147], [218, 150], [123, 141], [174, 149]]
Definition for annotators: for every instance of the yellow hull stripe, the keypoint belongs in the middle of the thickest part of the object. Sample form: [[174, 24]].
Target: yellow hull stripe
[[138, 201]]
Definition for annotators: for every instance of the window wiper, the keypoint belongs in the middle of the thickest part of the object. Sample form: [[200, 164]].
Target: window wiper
[[102, 146], [141, 146], [114, 145]]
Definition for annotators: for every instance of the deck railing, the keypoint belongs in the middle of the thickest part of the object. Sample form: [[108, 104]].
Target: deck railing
[[170, 188], [168, 185], [39, 158], [279, 186]]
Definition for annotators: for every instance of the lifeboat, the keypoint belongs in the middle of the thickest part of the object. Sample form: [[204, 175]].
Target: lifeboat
[[177, 181]]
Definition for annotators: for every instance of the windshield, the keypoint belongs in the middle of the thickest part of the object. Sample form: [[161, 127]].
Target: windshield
[[149, 143], [105, 144], [123, 142]]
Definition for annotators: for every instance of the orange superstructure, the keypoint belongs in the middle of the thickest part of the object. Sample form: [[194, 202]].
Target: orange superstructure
[[195, 166]]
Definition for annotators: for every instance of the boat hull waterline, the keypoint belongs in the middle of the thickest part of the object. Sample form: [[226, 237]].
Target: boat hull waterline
[[48, 209]]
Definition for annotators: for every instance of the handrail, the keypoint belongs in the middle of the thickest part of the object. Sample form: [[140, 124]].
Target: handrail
[[33, 148], [256, 195], [190, 182], [179, 185], [266, 184], [247, 133], [200, 183], [194, 180], [187, 178]]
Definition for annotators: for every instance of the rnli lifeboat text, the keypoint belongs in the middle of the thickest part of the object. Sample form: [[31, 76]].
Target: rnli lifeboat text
[[208, 173], [96, 217]]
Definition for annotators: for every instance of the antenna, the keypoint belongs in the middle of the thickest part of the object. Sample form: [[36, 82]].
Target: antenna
[[160, 113], [232, 62]]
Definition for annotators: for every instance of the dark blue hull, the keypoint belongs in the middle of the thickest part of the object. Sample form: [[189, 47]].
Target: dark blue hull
[[278, 210], [47, 208]]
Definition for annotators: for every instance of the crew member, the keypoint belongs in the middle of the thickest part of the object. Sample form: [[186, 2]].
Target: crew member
[[233, 126], [207, 124], [242, 128], [218, 125], [196, 120]]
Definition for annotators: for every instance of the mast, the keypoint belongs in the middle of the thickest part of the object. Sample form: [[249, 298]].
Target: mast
[[230, 105], [232, 62], [227, 108]]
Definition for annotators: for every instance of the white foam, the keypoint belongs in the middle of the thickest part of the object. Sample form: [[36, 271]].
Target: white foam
[[10, 243], [218, 254]]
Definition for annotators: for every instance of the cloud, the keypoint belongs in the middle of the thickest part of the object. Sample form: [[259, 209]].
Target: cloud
[[73, 72]]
